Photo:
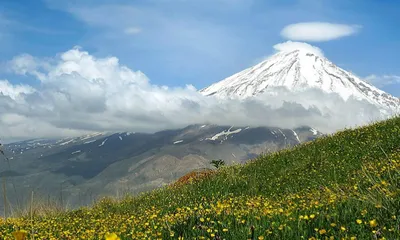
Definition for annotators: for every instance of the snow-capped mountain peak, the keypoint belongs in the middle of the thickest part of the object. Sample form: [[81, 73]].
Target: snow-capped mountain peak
[[298, 70]]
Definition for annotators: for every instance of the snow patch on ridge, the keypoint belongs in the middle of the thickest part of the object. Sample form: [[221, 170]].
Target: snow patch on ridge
[[103, 142], [224, 134], [315, 132], [297, 137], [90, 136], [65, 143], [179, 141], [282, 133], [89, 142]]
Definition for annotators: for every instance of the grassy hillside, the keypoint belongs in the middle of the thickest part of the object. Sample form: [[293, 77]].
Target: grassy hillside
[[345, 186]]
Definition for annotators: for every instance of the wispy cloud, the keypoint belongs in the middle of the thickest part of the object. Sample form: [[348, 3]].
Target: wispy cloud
[[132, 30], [318, 31], [383, 80], [4, 26], [9, 24], [179, 43], [26, 64]]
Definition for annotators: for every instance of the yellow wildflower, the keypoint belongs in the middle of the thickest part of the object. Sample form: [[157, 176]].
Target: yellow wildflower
[[112, 236], [20, 235], [373, 223]]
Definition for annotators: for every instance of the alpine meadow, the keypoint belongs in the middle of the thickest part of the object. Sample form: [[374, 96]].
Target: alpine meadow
[[342, 186]]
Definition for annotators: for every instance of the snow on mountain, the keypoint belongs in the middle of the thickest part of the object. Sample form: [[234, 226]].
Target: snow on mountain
[[299, 70], [75, 152], [102, 143], [179, 141], [297, 136], [89, 141], [224, 134], [66, 142], [315, 132], [88, 138]]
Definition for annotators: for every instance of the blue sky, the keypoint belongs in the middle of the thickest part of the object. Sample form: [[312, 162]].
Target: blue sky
[[69, 67], [178, 42]]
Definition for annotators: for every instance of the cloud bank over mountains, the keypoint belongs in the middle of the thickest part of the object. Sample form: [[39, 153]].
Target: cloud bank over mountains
[[77, 93]]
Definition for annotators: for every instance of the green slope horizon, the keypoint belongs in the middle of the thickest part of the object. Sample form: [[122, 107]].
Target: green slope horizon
[[342, 186]]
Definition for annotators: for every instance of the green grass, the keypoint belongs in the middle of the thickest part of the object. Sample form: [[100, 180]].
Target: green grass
[[344, 186]]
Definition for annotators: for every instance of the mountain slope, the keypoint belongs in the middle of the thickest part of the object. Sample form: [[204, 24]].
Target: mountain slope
[[299, 70], [344, 186], [96, 164]]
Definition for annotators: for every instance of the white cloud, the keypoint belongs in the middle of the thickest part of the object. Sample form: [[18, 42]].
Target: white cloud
[[15, 92], [291, 46], [318, 31], [132, 30], [80, 93], [383, 80], [27, 64]]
